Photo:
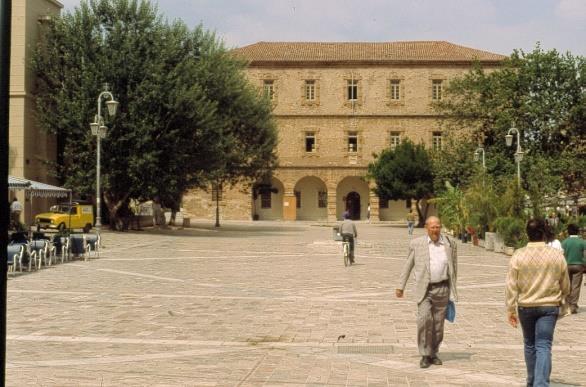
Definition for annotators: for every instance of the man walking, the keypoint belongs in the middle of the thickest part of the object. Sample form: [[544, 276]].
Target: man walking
[[537, 285], [434, 257], [410, 222], [574, 247]]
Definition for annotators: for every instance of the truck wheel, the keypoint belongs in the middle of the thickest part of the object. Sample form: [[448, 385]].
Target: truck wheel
[[87, 228], [61, 227]]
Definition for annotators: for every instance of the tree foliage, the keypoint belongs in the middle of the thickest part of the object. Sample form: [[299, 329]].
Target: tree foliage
[[186, 110], [541, 93], [403, 173]]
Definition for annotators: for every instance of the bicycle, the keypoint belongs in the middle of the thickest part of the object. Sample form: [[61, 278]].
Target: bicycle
[[346, 249]]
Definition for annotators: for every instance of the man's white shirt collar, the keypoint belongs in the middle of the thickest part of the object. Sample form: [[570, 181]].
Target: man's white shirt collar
[[440, 240]]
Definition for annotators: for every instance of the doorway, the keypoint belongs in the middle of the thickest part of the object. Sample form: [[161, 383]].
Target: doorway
[[353, 205]]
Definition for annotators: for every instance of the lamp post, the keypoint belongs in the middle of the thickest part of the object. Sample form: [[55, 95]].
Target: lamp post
[[99, 130], [477, 156], [518, 153]]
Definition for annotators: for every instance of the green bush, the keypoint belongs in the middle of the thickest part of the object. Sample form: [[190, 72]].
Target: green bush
[[512, 230]]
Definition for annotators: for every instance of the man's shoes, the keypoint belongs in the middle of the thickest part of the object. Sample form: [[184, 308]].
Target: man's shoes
[[424, 362], [435, 360]]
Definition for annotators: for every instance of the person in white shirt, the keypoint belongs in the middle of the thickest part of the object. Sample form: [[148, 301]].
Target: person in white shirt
[[550, 238], [15, 210], [434, 260]]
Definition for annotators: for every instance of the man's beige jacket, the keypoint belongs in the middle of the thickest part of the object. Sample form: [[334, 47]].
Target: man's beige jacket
[[418, 259]]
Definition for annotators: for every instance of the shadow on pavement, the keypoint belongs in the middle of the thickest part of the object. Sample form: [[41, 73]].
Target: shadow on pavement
[[208, 230], [453, 356]]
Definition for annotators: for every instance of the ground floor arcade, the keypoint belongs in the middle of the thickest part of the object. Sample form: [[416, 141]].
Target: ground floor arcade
[[300, 194]]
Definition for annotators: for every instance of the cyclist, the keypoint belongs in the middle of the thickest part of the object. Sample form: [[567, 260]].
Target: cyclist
[[348, 231]]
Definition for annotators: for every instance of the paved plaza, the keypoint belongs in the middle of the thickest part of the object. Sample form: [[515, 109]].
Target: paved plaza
[[262, 303]]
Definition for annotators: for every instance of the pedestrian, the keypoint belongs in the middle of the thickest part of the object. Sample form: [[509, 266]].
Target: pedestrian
[[348, 231], [574, 247], [15, 210], [156, 212], [410, 222], [537, 286], [550, 238], [435, 259], [368, 213]]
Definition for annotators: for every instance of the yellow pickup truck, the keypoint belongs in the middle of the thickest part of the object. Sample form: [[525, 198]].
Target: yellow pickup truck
[[67, 216]]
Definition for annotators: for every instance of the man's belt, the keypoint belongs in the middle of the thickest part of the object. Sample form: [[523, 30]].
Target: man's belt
[[441, 283]]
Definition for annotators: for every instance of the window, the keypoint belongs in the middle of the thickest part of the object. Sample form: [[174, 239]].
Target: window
[[265, 198], [436, 89], [383, 202], [310, 142], [322, 199], [395, 139], [269, 89], [408, 203], [436, 141], [352, 90], [352, 142], [310, 90], [298, 198], [395, 89]]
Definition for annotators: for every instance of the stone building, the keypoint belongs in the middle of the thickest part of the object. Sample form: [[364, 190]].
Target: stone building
[[335, 105], [29, 147]]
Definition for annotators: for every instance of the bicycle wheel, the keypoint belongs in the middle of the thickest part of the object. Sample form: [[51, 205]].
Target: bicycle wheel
[[346, 254]]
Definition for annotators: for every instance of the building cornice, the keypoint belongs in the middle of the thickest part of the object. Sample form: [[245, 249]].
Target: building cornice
[[347, 116], [366, 63], [55, 2]]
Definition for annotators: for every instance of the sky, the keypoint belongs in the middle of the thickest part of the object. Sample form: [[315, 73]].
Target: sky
[[498, 26]]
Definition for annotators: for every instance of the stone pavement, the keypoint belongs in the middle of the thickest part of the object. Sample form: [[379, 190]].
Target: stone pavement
[[261, 303]]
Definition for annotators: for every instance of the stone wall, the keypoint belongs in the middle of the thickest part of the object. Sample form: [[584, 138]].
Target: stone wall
[[333, 165]]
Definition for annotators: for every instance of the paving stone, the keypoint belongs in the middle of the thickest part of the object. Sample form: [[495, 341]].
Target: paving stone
[[261, 304]]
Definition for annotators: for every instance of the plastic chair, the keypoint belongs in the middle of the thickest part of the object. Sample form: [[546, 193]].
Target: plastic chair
[[78, 246], [41, 248], [92, 243], [14, 254]]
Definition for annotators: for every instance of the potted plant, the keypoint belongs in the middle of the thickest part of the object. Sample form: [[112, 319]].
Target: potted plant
[[512, 232], [482, 200]]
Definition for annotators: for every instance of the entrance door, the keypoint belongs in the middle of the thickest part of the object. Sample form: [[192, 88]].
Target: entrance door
[[353, 205]]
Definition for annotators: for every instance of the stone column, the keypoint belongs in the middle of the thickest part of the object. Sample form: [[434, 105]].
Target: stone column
[[332, 204], [374, 207]]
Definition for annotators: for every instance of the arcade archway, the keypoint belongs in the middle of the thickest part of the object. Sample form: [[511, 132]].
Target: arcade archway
[[352, 195]]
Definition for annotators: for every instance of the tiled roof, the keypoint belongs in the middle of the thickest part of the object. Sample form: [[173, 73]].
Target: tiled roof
[[374, 52]]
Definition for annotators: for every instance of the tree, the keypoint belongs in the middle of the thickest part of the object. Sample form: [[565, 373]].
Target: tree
[[173, 116], [404, 173], [246, 138], [454, 163], [542, 94]]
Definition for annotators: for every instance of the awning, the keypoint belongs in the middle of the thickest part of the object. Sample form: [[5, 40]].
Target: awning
[[18, 183], [37, 189]]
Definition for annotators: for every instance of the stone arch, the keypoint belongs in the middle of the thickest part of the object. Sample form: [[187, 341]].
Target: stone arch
[[270, 194], [352, 190], [311, 194]]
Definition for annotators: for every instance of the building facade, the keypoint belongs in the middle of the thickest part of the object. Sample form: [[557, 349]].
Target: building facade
[[29, 147], [337, 104]]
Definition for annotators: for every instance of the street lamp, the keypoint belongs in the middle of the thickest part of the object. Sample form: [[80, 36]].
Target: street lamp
[[99, 130], [518, 153], [477, 156]]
